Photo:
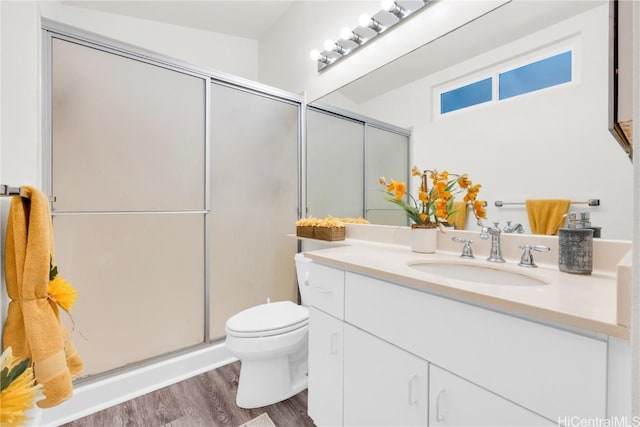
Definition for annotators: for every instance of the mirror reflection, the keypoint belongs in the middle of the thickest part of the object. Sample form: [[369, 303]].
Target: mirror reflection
[[518, 99]]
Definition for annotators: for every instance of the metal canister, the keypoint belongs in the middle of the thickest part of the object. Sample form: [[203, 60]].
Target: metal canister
[[575, 254]]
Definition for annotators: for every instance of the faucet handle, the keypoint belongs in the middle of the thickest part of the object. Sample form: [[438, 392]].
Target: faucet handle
[[527, 256], [466, 249]]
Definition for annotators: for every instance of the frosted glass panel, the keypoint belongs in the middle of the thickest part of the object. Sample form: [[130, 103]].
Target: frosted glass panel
[[388, 156], [335, 166], [140, 282], [127, 135], [254, 202]]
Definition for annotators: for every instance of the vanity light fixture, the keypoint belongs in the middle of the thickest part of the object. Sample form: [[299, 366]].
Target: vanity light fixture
[[392, 13]]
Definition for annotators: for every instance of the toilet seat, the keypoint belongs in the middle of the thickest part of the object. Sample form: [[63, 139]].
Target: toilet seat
[[267, 320]]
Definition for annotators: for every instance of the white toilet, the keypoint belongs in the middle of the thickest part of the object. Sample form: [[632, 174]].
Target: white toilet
[[271, 341]]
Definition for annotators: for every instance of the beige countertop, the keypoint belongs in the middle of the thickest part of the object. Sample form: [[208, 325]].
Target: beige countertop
[[583, 301]]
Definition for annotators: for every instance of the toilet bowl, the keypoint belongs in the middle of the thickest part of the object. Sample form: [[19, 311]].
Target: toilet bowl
[[271, 341]]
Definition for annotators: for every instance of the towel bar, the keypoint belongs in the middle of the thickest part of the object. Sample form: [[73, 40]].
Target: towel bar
[[6, 190], [590, 202]]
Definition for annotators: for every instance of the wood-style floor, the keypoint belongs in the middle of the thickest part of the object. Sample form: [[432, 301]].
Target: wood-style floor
[[204, 400]]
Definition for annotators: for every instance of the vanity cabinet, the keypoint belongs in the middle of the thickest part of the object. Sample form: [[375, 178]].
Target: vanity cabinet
[[383, 384], [455, 401], [475, 366]]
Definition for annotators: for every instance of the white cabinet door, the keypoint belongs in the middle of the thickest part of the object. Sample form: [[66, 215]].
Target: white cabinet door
[[383, 385], [457, 402], [325, 369]]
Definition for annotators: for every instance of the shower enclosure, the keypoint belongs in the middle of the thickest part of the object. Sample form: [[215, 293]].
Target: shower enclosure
[[174, 190]]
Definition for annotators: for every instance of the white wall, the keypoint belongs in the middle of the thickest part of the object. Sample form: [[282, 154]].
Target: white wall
[[553, 143], [284, 51], [221, 52]]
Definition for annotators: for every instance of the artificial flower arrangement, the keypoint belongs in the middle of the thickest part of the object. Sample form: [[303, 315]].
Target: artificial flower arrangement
[[18, 390], [327, 228], [434, 204], [60, 291]]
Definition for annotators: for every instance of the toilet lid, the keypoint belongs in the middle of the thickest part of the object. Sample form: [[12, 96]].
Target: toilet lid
[[276, 317]]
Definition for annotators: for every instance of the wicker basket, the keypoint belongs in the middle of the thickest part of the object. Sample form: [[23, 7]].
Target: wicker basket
[[321, 233]]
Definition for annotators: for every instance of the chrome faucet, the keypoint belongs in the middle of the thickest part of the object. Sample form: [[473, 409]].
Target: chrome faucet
[[513, 228], [494, 232]]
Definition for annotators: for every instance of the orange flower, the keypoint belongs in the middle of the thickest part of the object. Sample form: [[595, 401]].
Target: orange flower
[[472, 193], [441, 209], [400, 188], [478, 208], [463, 181], [423, 218], [423, 196], [415, 171], [440, 186]]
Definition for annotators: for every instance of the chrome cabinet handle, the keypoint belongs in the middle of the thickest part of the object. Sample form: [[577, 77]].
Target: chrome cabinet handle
[[439, 416], [333, 343], [322, 290], [413, 385], [306, 279]]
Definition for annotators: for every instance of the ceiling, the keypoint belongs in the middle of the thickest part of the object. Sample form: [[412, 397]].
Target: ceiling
[[221, 16]]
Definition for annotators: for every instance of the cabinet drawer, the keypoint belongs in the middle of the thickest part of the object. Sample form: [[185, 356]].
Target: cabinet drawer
[[553, 372], [325, 289]]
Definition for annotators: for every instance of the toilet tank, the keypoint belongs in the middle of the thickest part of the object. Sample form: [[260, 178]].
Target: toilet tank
[[302, 270]]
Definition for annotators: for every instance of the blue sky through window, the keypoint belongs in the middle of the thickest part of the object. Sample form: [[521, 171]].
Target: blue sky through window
[[538, 75], [466, 96]]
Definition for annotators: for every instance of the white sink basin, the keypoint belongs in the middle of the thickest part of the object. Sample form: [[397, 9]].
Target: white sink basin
[[479, 274]]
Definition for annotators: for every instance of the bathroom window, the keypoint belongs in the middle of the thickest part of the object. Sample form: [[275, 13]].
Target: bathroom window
[[541, 70], [466, 96], [552, 71]]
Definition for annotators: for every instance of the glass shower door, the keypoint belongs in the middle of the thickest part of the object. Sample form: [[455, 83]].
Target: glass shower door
[[254, 201]]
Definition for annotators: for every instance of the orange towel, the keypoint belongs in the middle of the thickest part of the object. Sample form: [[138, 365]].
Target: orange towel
[[33, 327], [459, 216], [546, 216]]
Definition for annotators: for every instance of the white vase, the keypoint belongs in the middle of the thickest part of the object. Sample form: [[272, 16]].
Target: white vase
[[424, 240]]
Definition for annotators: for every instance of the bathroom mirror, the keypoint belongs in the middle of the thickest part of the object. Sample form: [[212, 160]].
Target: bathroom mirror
[[552, 143]]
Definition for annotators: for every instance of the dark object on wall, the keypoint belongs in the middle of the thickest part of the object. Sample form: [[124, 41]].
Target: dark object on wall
[[620, 74]]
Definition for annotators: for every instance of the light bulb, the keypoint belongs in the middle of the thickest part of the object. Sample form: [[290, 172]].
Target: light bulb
[[329, 45], [346, 33], [364, 20], [393, 7], [387, 5], [315, 54]]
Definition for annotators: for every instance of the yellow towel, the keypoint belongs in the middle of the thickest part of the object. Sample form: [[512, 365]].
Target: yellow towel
[[546, 216], [33, 327], [459, 216]]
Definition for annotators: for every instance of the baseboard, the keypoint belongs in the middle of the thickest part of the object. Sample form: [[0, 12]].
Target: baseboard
[[96, 396]]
